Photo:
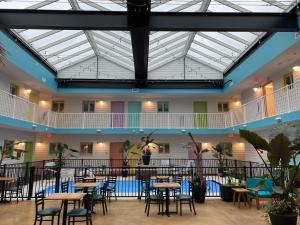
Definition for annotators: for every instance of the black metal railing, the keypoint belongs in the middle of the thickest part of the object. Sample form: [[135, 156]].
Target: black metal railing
[[42, 177]]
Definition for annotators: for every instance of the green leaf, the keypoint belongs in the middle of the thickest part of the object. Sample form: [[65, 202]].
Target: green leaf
[[255, 140], [279, 152]]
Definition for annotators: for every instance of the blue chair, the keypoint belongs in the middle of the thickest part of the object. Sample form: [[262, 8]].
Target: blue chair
[[257, 191]]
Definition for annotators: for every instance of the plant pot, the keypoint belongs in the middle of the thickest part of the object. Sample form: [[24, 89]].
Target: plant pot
[[124, 172], [227, 192], [146, 159], [199, 193], [289, 219]]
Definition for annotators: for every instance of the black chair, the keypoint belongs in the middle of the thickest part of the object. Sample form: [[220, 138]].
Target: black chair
[[177, 191], [157, 199], [65, 189], [15, 188], [82, 214], [146, 186], [182, 199], [78, 179], [111, 188], [101, 197], [41, 211]]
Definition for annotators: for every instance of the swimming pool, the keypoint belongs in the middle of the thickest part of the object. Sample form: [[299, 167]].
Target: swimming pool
[[131, 187]]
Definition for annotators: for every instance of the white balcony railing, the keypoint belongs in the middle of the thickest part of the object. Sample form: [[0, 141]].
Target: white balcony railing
[[285, 100]]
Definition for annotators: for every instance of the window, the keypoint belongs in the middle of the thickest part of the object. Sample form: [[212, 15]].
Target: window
[[51, 150], [14, 89], [223, 107], [86, 148], [58, 106], [288, 80], [163, 148], [162, 107], [88, 106]]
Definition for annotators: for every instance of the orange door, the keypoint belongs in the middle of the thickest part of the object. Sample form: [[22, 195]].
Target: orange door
[[115, 155]]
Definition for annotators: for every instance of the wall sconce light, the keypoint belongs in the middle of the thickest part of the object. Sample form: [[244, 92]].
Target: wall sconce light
[[141, 131], [256, 89], [101, 102], [183, 131], [278, 119], [237, 103], [28, 91], [33, 126], [148, 102], [244, 125], [296, 68], [98, 131], [43, 102]]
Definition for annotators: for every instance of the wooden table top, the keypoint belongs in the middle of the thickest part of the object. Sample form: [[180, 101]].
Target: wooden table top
[[95, 177], [166, 185], [8, 178], [160, 177], [86, 185], [240, 189], [66, 196]]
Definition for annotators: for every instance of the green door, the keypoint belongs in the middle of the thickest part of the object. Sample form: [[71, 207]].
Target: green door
[[134, 117], [28, 151], [200, 118]]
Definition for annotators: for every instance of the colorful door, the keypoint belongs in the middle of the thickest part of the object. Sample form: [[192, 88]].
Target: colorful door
[[200, 118], [134, 117], [269, 99], [117, 109], [33, 98], [115, 155]]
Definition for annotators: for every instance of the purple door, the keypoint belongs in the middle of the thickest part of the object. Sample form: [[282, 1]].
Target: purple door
[[117, 118]]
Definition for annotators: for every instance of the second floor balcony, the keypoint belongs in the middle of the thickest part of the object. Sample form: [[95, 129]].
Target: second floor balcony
[[284, 100]]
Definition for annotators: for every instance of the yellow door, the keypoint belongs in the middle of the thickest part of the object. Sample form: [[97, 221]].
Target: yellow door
[[269, 99], [33, 98]]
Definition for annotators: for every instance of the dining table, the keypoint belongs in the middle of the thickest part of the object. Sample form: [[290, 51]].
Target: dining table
[[3, 181], [65, 197], [86, 185], [99, 178], [167, 186]]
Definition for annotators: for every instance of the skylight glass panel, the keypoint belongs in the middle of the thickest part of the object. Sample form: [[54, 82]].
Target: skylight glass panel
[[53, 38], [256, 6], [64, 45], [227, 40], [29, 34], [212, 54], [215, 6], [170, 46], [250, 37], [112, 47], [17, 4], [70, 52], [59, 5], [117, 39], [78, 58], [107, 51], [206, 61]]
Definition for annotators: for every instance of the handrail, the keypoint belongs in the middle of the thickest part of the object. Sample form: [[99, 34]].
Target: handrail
[[285, 100]]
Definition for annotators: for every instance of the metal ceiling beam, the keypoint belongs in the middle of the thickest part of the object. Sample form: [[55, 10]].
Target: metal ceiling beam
[[125, 84], [157, 21], [138, 20], [75, 6], [204, 6]]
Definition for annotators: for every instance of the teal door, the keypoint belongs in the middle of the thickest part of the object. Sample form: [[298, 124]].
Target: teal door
[[134, 117]]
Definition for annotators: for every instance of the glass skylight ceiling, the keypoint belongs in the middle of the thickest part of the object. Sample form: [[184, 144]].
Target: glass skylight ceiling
[[218, 50]]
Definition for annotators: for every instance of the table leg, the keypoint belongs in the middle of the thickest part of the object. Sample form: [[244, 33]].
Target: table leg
[[65, 212], [2, 191], [167, 201], [234, 193], [239, 200]]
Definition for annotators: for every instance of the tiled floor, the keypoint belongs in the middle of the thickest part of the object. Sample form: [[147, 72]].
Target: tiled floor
[[131, 212]]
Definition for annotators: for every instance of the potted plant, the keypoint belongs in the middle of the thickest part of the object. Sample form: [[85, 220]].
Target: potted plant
[[221, 152], [8, 151], [147, 146], [63, 152], [198, 181], [280, 152], [125, 148], [226, 191]]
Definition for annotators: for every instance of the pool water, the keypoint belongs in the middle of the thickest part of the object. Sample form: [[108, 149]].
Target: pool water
[[130, 187]]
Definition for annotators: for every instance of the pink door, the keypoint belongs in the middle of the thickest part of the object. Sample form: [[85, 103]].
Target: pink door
[[117, 118]]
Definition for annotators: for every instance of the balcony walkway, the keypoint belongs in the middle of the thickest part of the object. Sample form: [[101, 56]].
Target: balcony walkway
[[131, 212]]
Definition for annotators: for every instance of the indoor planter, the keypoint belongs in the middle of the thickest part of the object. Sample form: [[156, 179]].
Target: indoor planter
[[283, 209], [125, 148], [226, 191], [147, 146], [221, 152], [199, 181]]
